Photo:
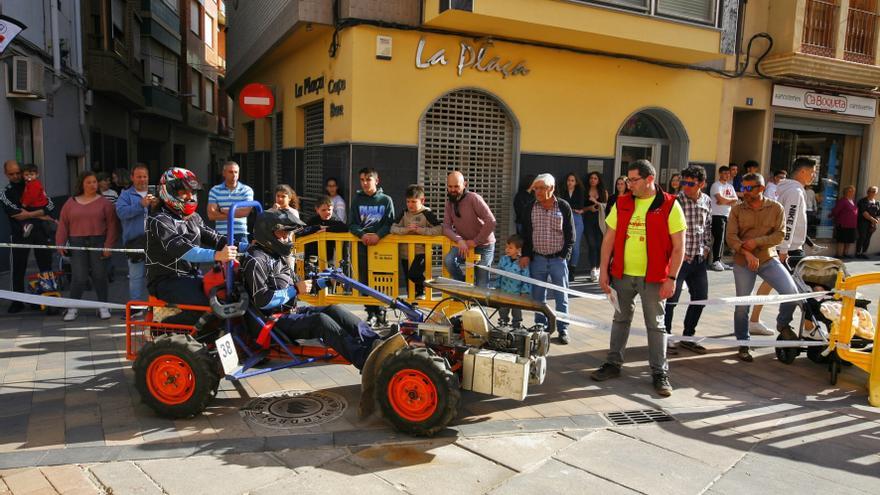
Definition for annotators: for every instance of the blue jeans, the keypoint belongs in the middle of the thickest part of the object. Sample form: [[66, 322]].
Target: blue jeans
[[775, 274], [693, 273], [578, 235], [593, 234], [556, 270], [452, 262], [137, 281]]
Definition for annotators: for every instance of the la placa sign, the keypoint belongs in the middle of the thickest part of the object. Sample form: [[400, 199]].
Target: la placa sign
[[806, 99]]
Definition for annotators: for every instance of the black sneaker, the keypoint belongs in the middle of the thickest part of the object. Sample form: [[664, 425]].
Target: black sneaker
[[661, 384], [786, 333], [744, 355], [563, 338], [692, 346], [605, 372]]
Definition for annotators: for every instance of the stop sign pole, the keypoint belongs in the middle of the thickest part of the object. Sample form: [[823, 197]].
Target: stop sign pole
[[256, 100]]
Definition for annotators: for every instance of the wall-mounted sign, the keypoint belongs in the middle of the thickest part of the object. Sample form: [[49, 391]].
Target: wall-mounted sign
[[9, 29], [383, 47], [308, 86], [806, 99], [256, 100], [470, 57], [336, 86]]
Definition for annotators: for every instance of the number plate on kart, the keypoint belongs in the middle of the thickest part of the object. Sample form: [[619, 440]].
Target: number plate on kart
[[228, 355]]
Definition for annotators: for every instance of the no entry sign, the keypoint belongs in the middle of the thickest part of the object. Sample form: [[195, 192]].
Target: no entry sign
[[256, 100]]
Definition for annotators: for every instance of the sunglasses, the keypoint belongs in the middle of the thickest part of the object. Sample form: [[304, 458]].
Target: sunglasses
[[688, 183], [750, 188]]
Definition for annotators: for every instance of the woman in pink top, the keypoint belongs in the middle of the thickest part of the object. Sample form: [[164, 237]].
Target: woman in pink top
[[87, 220], [846, 216]]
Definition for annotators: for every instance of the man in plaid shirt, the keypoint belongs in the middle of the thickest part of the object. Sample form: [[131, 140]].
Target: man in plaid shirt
[[697, 245]]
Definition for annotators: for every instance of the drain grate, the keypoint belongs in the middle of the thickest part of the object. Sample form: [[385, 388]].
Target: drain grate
[[638, 417]]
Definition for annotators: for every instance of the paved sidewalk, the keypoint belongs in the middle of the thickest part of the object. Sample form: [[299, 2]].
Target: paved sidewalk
[[71, 421]]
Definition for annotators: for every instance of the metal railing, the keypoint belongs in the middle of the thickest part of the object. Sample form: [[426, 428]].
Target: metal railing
[[861, 32], [819, 32]]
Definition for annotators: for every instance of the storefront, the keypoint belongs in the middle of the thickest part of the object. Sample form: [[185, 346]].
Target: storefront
[[829, 128], [417, 105]]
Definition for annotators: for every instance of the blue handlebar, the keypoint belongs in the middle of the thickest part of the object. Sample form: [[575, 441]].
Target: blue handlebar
[[230, 237]]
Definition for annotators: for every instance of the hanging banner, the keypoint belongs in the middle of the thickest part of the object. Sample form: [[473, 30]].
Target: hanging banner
[[9, 29]]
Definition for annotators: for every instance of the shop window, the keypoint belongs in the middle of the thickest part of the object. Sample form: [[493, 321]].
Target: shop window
[[838, 157], [470, 131]]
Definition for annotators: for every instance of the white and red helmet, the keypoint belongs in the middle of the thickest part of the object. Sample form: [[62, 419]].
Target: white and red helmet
[[174, 180]]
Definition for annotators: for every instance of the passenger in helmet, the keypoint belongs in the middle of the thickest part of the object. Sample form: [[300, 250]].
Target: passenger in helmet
[[177, 240], [272, 286]]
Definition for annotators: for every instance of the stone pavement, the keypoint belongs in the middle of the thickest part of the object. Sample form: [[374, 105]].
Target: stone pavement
[[71, 421]]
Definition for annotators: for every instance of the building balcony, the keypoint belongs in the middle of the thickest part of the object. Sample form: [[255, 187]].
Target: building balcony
[[110, 74], [834, 41], [200, 120], [161, 102], [647, 30]]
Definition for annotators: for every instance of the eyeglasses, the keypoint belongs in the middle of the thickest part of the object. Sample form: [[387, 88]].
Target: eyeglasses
[[634, 179], [750, 188], [688, 183]]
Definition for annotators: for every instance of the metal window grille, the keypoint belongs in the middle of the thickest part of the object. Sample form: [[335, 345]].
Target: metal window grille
[[313, 160], [819, 33], [278, 173], [468, 130], [248, 174], [861, 29]]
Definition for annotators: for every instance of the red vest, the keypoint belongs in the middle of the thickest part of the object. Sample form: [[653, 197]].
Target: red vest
[[658, 242]]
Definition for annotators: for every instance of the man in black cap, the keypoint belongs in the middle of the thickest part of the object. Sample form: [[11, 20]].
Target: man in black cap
[[273, 288]]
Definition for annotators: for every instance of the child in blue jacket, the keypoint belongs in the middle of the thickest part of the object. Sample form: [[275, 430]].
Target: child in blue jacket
[[510, 263]]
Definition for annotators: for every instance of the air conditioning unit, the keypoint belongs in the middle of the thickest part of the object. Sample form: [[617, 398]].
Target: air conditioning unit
[[27, 78]]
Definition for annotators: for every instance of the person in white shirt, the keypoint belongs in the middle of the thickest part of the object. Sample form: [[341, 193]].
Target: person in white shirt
[[791, 193], [723, 197], [773, 184]]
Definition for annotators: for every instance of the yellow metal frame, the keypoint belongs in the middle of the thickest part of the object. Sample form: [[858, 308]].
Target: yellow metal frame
[[842, 333], [384, 268]]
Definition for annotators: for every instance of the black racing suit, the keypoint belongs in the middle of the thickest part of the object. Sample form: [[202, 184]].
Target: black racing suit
[[269, 280], [170, 237]]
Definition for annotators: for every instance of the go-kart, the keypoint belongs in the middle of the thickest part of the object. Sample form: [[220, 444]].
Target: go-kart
[[414, 375]]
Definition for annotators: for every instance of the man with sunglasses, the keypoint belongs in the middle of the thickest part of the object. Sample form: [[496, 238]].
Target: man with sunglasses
[[642, 252], [697, 243], [755, 228], [468, 222]]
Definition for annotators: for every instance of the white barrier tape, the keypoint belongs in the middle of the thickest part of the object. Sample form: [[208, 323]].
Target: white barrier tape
[[752, 300], [581, 322], [69, 248], [540, 283], [58, 302]]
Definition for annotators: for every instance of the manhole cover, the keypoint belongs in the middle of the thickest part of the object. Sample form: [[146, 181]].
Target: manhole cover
[[638, 417], [294, 409]]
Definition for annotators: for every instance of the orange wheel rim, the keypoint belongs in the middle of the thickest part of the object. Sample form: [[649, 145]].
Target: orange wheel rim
[[412, 395], [170, 379]]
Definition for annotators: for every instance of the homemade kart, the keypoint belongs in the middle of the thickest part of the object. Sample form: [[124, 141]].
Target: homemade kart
[[414, 375]]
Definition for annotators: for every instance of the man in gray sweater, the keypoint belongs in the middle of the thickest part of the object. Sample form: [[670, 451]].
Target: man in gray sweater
[[467, 221]]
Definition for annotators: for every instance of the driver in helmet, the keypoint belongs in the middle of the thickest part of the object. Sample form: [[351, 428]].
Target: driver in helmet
[[273, 287], [177, 240]]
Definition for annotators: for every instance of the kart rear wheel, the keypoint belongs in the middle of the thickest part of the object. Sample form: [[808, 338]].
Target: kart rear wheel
[[786, 355], [176, 376], [417, 392], [815, 355]]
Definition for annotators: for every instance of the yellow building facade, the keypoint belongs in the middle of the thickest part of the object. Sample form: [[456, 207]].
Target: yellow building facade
[[505, 89]]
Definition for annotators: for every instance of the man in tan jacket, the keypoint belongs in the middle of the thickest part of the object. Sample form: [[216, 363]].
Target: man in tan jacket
[[756, 226]]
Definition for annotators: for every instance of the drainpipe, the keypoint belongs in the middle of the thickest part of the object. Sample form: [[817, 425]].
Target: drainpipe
[[56, 42]]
